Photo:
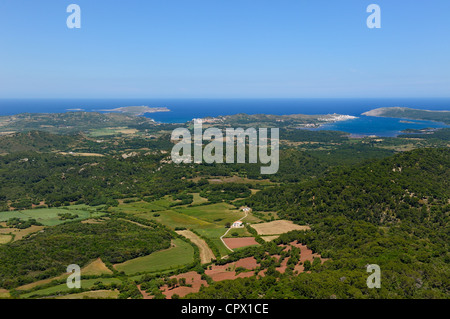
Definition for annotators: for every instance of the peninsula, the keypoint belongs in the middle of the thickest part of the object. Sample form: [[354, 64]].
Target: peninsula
[[137, 110], [409, 113]]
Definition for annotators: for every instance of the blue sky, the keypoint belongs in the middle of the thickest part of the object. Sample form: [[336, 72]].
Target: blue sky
[[224, 49]]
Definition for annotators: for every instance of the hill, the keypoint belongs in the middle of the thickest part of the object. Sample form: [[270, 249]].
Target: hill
[[392, 212], [70, 122], [384, 191], [408, 113], [35, 141]]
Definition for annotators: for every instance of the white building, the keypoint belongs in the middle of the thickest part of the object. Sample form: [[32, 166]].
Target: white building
[[246, 209], [237, 224]]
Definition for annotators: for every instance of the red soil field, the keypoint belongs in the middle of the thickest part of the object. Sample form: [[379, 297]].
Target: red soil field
[[248, 263], [192, 278], [144, 294], [283, 265], [306, 253], [240, 242], [227, 271], [219, 274]]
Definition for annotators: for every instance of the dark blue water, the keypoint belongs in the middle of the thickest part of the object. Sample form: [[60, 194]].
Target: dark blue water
[[183, 110]]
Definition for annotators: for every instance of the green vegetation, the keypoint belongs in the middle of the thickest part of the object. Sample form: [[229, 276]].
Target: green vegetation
[[67, 216], [413, 114], [104, 187], [48, 253], [50, 216], [175, 257], [36, 141], [62, 288], [21, 224], [392, 212], [70, 122]]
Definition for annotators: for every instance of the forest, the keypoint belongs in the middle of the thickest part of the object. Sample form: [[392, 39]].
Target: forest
[[392, 212], [48, 253]]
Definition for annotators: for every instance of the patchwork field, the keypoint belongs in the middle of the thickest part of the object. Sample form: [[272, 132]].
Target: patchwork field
[[234, 243], [4, 293], [242, 268], [198, 199], [219, 214], [7, 234], [63, 289], [5, 239], [95, 268], [95, 294], [180, 254], [174, 219], [207, 220], [238, 232], [192, 278], [206, 254], [269, 238], [112, 131], [49, 216]]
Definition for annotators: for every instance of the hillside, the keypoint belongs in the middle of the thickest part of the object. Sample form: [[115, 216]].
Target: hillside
[[408, 113], [35, 141], [384, 191], [70, 122], [392, 212]]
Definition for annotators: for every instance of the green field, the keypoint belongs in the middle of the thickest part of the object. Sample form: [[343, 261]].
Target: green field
[[49, 216], [5, 239], [198, 199], [207, 220], [95, 294], [218, 214], [172, 258], [143, 206], [62, 288], [103, 132], [242, 232], [174, 219]]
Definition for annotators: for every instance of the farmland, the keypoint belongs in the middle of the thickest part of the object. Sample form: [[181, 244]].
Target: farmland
[[270, 230], [206, 254], [207, 220], [201, 222], [49, 216], [137, 224], [179, 254]]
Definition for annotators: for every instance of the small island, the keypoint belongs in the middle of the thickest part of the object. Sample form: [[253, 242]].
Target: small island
[[137, 110]]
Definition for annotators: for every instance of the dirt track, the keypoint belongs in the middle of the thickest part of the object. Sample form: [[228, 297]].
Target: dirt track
[[206, 254]]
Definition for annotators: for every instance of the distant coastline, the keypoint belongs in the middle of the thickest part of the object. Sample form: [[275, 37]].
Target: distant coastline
[[357, 120], [411, 114], [137, 110]]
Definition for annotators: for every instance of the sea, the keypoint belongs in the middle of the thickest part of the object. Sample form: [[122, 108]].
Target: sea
[[183, 110]]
